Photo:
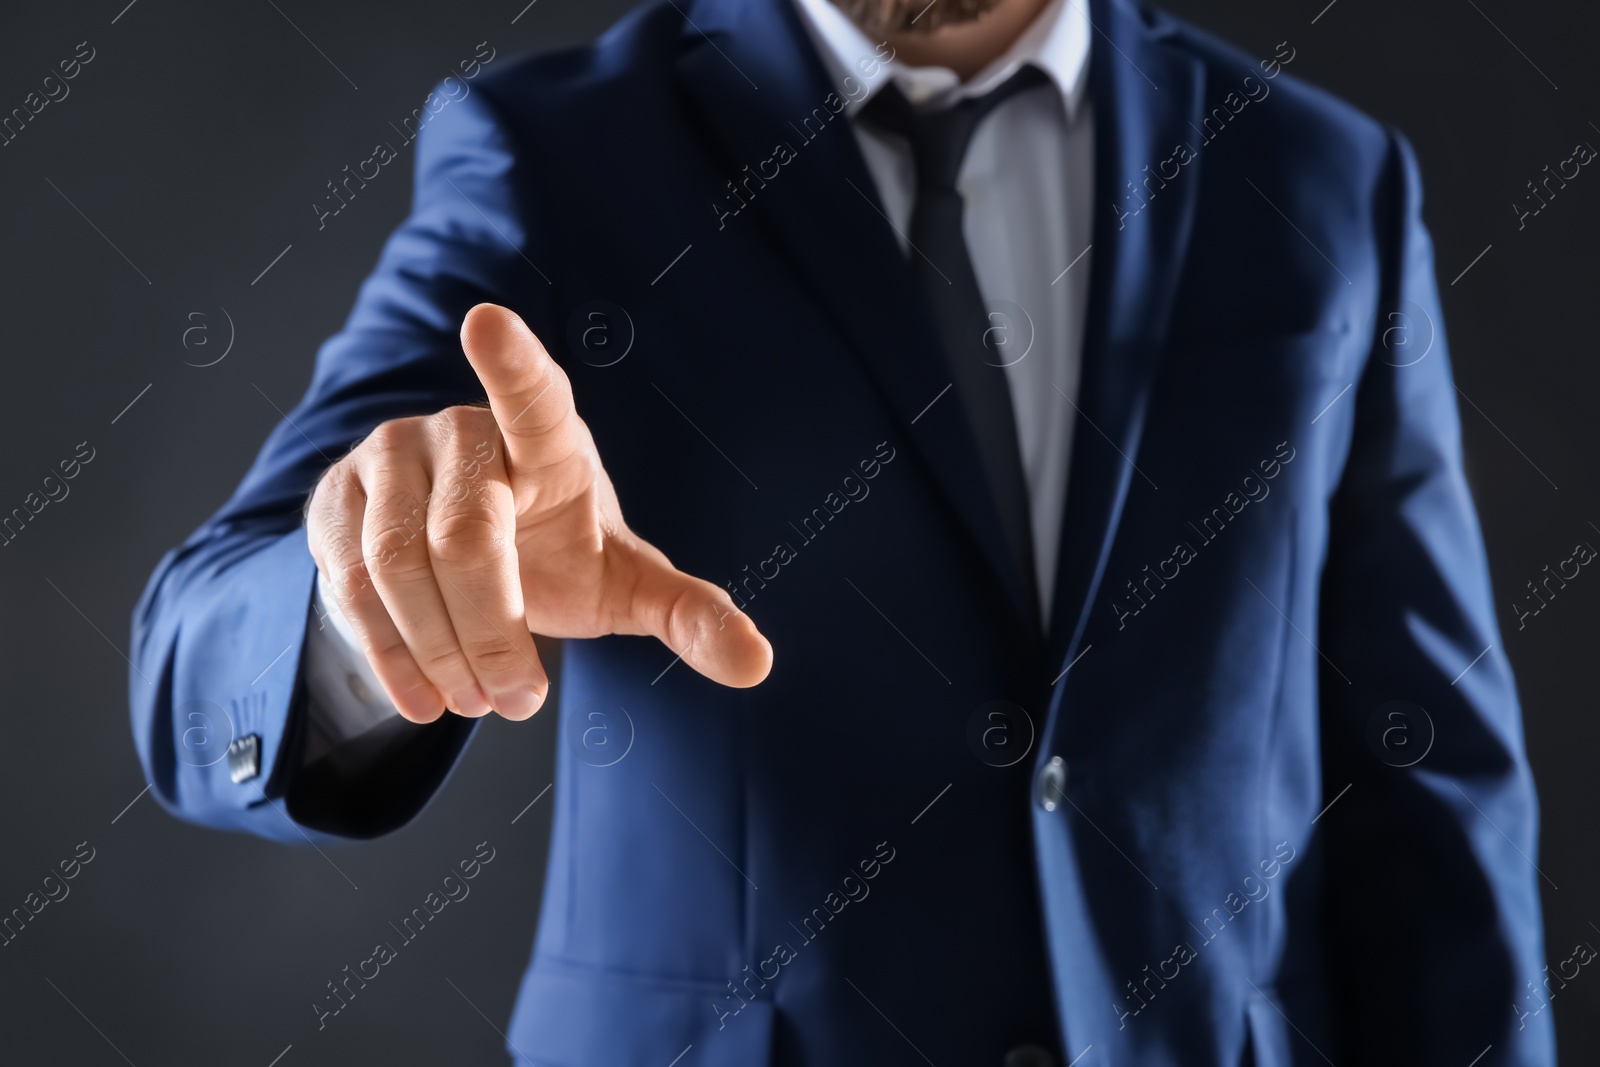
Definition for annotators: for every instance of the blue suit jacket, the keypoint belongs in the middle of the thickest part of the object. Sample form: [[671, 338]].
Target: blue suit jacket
[[1272, 596]]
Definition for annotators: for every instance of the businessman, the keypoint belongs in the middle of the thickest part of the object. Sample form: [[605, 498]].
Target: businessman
[[996, 466]]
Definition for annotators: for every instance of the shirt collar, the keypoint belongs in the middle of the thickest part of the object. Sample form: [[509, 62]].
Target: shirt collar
[[1057, 42]]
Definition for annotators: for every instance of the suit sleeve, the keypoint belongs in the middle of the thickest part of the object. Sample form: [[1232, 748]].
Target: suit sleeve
[[1432, 892], [219, 633]]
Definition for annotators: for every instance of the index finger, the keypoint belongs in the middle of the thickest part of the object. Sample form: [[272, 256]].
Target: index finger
[[529, 394]]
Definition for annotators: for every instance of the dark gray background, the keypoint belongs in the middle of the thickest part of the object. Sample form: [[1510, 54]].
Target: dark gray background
[[196, 141]]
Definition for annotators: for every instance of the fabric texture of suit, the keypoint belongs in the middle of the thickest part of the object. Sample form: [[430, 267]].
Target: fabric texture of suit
[[1268, 543]]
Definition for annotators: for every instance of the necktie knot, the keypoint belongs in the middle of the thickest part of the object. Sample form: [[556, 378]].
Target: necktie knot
[[939, 138]]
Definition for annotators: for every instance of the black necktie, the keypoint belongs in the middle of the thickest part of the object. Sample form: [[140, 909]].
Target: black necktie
[[943, 266]]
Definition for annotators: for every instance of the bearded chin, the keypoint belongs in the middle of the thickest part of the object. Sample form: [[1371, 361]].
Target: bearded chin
[[885, 17]]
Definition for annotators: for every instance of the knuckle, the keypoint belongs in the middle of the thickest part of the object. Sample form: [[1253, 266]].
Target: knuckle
[[328, 526], [393, 531], [445, 665], [550, 402], [332, 495], [466, 535], [391, 436], [562, 404], [335, 484], [496, 658], [461, 419], [682, 621]]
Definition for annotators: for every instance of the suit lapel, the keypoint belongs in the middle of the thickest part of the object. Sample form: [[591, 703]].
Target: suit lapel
[[1145, 96], [754, 77]]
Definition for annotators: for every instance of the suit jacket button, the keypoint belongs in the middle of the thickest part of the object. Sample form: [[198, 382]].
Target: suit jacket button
[[1029, 1056], [1050, 790]]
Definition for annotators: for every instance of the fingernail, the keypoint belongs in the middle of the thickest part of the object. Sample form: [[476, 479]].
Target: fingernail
[[472, 703], [517, 704]]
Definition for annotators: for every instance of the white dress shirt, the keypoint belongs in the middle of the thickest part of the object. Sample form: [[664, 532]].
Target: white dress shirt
[[1027, 183]]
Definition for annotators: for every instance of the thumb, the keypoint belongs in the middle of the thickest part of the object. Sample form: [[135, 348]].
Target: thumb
[[699, 622]]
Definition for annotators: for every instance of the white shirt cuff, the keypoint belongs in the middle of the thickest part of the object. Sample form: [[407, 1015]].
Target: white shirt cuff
[[344, 697]]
